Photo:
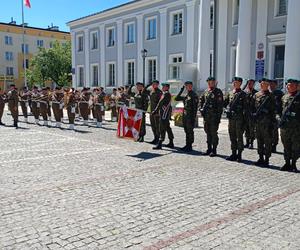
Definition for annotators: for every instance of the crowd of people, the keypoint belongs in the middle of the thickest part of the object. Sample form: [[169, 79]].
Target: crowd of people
[[256, 114]]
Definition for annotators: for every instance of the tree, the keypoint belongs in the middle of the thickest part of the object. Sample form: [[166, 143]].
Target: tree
[[52, 64]]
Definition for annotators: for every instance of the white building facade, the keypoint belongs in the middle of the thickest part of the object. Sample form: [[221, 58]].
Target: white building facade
[[187, 40]]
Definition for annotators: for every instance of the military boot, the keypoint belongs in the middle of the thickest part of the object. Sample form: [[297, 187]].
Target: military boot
[[154, 141], [232, 157], [260, 161], [239, 156], [294, 167], [170, 144], [209, 150], [213, 152], [267, 162], [286, 166], [141, 139], [158, 146]]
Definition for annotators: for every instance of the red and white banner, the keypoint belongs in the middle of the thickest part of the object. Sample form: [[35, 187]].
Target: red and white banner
[[129, 124], [27, 3]]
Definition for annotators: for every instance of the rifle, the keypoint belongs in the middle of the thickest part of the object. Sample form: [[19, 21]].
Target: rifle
[[261, 108], [287, 113], [205, 107]]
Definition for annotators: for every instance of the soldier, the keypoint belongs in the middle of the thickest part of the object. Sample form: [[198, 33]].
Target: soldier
[[236, 103], [127, 97], [49, 98], [141, 102], [164, 110], [2, 105], [154, 95], [24, 96], [264, 120], [190, 101], [84, 102], [113, 105], [44, 104], [35, 95], [57, 105], [71, 108], [211, 107], [99, 106], [249, 122], [290, 124], [13, 102], [278, 94]]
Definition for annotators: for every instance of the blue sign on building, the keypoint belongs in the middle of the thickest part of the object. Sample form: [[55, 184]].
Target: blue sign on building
[[259, 69]]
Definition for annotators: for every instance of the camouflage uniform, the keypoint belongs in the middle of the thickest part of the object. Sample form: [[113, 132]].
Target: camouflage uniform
[[249, 122], [264, 124], [190, 101], [278, 94], [2, 105], [236, 121], [211, 107], [13, 101], [290, 132]]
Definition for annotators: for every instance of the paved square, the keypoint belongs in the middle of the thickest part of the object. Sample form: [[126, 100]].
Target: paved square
[[89, 190]]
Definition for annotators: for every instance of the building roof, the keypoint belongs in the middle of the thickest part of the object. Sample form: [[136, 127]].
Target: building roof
[[35, 28], [106, 10]]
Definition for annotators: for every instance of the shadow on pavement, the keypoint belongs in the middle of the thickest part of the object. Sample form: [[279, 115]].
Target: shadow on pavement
[[145, 156]]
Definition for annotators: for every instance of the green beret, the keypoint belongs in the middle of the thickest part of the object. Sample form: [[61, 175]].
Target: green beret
[[236, 78], [290, 80], [188, 82], [265, 80], [165, 84], [155, 81], [140, 83], [211, 78]]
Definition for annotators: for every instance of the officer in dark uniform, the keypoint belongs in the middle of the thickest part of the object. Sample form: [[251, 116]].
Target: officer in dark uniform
[[236, 103], [154, 95], [211, 108], [164, 110], [141, 101], [190, 101], [278, 94], [249, 122]]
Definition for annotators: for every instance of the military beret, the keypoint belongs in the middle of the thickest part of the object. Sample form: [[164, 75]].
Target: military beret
[[250, 80], [155, 81], [114, 89], [165, 84], [236, 78], [12, 85], [290, 80], [140, 83], [58, 88], [188, 82], [265, 80], [211, 78]]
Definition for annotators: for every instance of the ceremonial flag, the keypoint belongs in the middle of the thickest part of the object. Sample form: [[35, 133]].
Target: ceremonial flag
[[129, 124], [27, 3]]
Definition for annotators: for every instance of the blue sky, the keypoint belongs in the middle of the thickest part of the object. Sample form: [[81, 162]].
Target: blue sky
[[58, 12]]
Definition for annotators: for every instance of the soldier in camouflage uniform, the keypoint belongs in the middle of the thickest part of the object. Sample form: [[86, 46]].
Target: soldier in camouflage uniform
[[278, 94], [190, 102], [44, 104], [164, 110], [264, 121], [2, 105], [290, 124], [211, 108], [249, 122], [13, 102], [236, 101], [141, 101], [154, 95]]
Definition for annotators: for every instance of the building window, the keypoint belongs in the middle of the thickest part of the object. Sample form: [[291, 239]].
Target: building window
[[80, 78], [9, 71], [175, 66], [212, 16], [211, 63], [79, 43], [130, 69], [95, 75], [281, 7], [151, 70], [151, 28], [9, 56], [236, 8], [111, 81], [26, 51], [40, 43], [111, 37], [177, 23], [94, 40], [27, 64], [8, 40], [130, 33]]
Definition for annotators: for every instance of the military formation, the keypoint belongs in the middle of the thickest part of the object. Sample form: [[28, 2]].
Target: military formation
[[257, 115]]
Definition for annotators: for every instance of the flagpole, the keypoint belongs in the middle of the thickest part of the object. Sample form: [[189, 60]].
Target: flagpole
[[24, 47]]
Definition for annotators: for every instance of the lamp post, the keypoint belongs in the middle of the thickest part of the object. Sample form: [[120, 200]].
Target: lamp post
[[144, 55]]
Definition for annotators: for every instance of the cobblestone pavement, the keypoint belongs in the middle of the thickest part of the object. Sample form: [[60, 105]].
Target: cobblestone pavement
[[89, 190]]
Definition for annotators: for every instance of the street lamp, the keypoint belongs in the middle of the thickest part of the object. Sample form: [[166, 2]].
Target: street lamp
[[144, 55]]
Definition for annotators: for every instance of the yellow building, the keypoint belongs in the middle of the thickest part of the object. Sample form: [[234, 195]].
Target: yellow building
[[11, 49]]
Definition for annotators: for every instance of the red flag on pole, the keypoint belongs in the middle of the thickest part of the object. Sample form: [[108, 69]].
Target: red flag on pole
[[27, 3], [129, 124]]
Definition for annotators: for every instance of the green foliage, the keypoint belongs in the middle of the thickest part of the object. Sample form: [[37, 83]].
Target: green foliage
[[52, 64]]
